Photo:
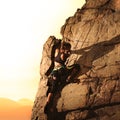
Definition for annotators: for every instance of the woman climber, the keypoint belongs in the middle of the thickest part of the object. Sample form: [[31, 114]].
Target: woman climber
[[61, 73]]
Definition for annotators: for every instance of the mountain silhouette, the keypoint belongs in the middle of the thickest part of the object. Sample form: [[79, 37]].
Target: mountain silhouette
[[13, 110]]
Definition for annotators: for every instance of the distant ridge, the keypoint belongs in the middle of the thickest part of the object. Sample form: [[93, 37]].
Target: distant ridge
[[13, 110], [25, 101]]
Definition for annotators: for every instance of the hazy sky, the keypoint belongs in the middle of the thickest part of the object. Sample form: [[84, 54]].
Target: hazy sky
[[24, 26]]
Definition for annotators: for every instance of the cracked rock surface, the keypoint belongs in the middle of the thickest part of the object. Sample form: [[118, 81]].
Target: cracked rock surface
[[94, 33]]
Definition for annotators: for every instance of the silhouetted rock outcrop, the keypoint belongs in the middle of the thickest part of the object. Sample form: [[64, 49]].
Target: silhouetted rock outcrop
[[94, 33]]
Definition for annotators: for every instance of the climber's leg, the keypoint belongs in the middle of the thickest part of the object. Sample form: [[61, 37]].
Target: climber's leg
[[49, 97], [51, 92], [73, 70]]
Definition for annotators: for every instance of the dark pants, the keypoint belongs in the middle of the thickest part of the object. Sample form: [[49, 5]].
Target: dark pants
[[58, 77]]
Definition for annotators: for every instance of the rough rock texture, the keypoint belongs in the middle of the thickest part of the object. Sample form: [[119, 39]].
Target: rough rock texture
[[94, 32]]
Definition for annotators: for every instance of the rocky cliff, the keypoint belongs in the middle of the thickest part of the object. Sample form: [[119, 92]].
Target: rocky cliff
[[94, 33]]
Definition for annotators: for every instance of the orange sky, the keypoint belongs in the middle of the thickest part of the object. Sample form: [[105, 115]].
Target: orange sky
[[24, 26]]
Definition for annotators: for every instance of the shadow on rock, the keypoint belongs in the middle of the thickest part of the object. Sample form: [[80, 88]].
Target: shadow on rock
[[93, 52]]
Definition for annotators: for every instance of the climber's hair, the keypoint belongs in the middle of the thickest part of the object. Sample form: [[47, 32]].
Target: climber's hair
[[65, 45]]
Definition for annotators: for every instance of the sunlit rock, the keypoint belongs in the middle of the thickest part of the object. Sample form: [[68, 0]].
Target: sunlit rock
[[94, 33]]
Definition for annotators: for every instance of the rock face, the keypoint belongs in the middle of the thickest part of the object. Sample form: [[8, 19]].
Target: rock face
[[94, 33]]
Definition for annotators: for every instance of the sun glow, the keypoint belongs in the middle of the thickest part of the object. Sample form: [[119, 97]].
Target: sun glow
[[24, 27]]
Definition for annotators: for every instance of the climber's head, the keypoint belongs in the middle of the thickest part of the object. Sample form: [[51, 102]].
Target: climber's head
[[66, 48]]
